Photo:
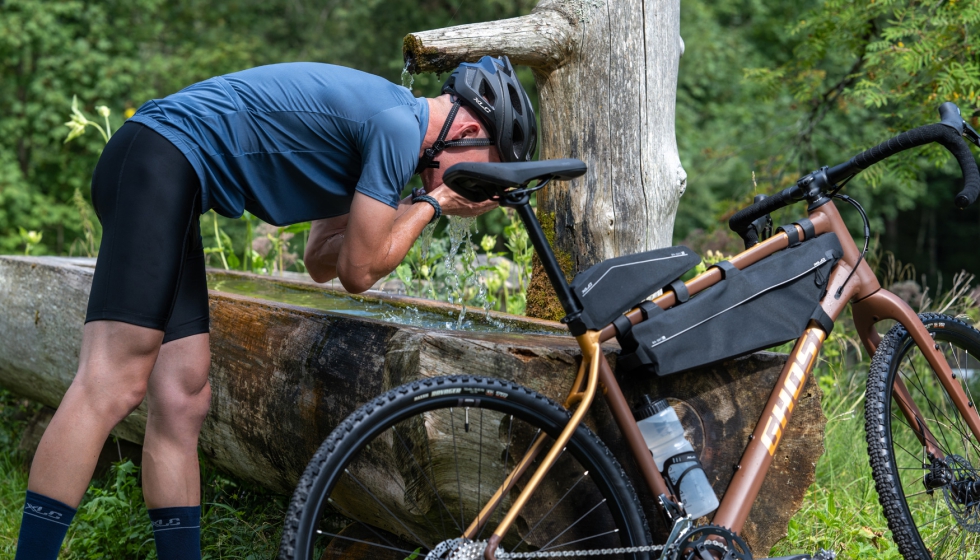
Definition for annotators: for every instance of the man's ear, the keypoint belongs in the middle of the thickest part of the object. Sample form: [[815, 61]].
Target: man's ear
[[466, 129]]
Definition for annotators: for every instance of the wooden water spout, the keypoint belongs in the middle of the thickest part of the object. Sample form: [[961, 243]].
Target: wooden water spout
[[283, 376]]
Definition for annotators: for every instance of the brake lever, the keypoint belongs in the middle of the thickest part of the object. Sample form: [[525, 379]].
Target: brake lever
[[971, 134]]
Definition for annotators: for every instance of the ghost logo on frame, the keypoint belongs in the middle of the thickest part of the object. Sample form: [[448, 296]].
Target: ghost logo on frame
[[789, 392]]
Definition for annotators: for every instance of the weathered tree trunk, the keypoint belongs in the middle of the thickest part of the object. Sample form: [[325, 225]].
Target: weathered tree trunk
[[607, 80], [284, 376]]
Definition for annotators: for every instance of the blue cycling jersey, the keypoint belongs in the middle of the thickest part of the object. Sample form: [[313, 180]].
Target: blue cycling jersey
[[292, 142]]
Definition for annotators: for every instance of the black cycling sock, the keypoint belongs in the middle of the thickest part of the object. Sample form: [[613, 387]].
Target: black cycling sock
[[43, 527], [177, 532]]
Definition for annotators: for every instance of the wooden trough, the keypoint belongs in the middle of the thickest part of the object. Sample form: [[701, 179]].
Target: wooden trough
[[283, 376]]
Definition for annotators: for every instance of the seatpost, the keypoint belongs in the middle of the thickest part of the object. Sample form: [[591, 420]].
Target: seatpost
[[568, 300]]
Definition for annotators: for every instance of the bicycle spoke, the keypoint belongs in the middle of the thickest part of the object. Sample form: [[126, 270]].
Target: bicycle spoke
[[917, 382], [459, 488], [342, 537], [565, 495], [579, 540], [479, 473], [586, 514], [347, 514], [510, 440], [429, 482], [428, 450], [380, 503]]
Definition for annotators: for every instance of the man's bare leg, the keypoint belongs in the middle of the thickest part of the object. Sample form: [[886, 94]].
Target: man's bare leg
[[113, 371], [177, 398]]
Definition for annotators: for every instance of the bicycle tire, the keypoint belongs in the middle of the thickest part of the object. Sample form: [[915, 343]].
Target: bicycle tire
[[946, 522], [397, 414]]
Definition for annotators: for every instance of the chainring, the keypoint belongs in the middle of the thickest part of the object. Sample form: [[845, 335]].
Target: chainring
[[711, 542]]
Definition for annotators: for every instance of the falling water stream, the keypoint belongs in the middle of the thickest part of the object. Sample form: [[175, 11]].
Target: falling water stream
[[459, 234], [407, 77]]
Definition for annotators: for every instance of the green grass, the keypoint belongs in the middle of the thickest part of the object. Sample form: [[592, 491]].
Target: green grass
[[840, 510], [240, 522]]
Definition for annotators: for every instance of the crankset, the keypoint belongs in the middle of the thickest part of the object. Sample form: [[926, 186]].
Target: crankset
[[711, 542]]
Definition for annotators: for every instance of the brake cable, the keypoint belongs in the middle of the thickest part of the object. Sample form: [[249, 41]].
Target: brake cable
[[867, 233], [840, 185]]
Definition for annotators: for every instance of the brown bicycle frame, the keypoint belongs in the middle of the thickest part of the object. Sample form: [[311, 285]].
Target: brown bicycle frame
[[870, 305]]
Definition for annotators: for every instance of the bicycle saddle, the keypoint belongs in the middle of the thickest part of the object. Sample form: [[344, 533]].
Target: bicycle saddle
[[483, 181]]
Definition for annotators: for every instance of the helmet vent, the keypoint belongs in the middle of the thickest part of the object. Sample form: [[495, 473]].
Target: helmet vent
[[515, 100], [486, 92], [517, 138]]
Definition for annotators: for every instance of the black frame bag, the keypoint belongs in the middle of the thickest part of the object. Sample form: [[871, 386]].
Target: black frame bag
[[768, 303], [614, 286]]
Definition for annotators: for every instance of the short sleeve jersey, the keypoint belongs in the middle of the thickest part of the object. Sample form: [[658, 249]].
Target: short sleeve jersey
[[292, 142]]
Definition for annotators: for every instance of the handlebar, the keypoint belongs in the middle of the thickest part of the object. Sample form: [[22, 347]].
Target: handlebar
[[948, 133], [941, 133], [740, 222]]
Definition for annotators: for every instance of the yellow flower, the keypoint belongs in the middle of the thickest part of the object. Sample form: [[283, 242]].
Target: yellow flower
[[129, 112]]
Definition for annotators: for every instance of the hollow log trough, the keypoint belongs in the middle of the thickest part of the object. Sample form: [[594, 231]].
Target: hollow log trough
[[283, 376]]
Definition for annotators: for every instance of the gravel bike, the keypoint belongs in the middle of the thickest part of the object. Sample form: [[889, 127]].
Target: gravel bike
[[461, 467]]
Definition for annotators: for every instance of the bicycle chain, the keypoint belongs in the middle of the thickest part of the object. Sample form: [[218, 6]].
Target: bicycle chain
[[574, 553]]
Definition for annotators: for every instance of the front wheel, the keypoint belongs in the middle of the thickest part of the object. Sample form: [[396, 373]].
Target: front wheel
[[932, 503], [406, 474]]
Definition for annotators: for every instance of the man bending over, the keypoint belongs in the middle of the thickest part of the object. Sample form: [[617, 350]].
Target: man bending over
[[289, 143]]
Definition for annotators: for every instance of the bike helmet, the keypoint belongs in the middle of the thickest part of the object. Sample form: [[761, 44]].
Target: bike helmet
[[490, 87]]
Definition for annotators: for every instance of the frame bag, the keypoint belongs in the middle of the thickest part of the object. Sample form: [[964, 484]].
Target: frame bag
[[614, 286], [768, 303]]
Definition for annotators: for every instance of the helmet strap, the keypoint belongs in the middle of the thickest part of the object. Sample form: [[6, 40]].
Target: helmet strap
[[427, 161]]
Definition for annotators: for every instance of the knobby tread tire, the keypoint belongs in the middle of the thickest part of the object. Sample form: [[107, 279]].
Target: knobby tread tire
[[887, 482], [379, 409]]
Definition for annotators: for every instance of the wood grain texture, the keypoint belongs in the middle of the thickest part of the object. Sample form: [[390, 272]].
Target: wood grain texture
[[283, 376]]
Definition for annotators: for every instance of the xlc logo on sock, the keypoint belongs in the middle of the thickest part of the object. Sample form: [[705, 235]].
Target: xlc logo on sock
[[40, 511], [177, 532], [42, 527], [166, 523]]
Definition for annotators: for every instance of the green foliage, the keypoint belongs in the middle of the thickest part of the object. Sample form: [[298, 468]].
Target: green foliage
[[781, 88], [111, 521], [240, 521], [449, 267], [121, 54]]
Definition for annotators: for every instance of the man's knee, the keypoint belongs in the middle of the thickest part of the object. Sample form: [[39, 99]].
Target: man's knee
[[184, 396], [113, 397], [197, 405]]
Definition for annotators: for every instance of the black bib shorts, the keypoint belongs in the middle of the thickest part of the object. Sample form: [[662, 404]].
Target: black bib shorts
[[150, 270]]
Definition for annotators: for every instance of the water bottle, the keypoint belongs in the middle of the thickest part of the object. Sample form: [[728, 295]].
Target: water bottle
[[664, 435]]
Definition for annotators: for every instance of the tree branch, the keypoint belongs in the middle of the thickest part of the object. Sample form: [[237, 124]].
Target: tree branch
[[542, 40]]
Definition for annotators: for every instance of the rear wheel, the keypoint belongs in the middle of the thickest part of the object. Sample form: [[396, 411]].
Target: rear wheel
[[411, 470], [932, 503]]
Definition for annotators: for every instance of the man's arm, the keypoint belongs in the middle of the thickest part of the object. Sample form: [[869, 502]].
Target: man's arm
[[364, 246]]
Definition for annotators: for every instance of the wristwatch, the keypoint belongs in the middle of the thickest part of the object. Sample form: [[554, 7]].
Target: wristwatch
[[420, 195]]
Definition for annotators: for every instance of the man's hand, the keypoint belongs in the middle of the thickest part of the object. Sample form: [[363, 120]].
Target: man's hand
[[454, 204]]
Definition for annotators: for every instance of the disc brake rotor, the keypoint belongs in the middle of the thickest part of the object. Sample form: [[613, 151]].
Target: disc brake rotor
[[963, 494]]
